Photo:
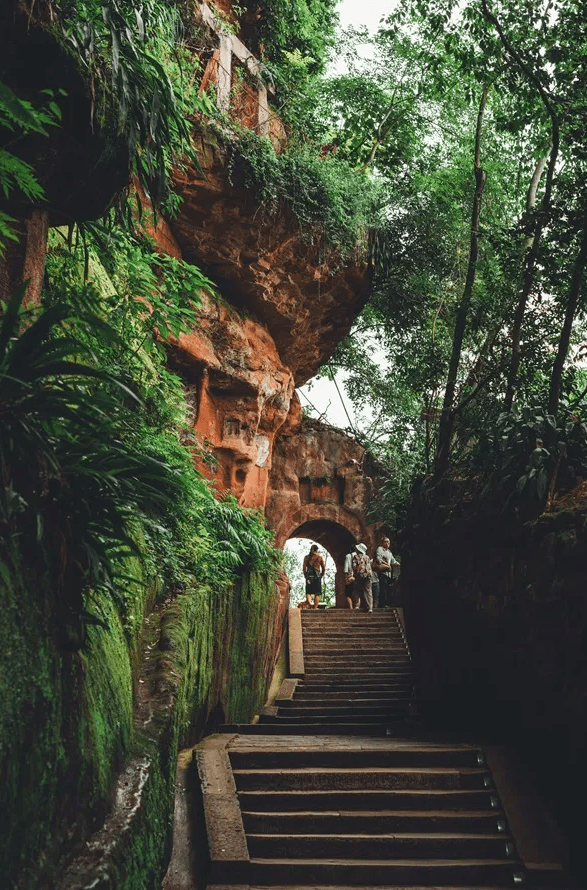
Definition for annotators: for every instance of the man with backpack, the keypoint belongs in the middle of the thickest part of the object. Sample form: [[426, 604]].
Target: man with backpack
[[313, 569], [363, 575]]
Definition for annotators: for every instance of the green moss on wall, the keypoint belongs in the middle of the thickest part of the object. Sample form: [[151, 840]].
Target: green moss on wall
[[32, 755], [70, 722], [65, 725], [106, 715], [251, 653]]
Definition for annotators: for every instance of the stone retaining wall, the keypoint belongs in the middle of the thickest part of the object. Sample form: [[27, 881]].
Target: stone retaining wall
[[497, 622]]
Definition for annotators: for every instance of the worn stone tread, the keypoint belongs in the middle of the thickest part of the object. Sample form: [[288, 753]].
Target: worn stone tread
[[365, 771], [377, 799]]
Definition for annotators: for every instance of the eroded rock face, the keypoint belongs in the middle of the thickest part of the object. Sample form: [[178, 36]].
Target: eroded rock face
[[317, 475], [240, 393], [264, 266], [318, 489], [242, 362]]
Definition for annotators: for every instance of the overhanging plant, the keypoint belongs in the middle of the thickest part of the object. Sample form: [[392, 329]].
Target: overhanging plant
[[72, 476]]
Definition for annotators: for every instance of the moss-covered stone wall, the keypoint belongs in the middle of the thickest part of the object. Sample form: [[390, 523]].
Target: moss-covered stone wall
[[89, 739], [497, 621]]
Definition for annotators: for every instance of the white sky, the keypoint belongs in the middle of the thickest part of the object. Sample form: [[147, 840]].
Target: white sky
[[363, 12]]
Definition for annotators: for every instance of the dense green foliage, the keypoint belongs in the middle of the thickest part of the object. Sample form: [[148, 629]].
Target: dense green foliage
[[68, 722], [90, 437], [17, 118], [470, 117], [332, 204], [295, 28], [140, 66]]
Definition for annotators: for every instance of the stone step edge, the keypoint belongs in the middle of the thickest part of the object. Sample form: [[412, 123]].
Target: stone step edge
[[314, 886], [392, 863], [359, 770], [377, 814], [227, 842], [387, 835]]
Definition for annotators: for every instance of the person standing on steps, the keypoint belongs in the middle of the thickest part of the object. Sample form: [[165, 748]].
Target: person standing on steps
[[349, 580], [313, 568], [363, 575], [383, 564], [375, 589]]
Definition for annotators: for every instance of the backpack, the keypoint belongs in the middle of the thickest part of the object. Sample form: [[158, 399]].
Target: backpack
[[361, 566]]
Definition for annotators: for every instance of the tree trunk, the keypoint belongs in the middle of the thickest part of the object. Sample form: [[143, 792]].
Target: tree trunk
[[570, 311], [24, 260], [532, 246], [447, 416], [544, 207]]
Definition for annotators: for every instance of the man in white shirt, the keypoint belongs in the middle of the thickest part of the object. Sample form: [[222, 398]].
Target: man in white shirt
[[383, 565], [349, 580]]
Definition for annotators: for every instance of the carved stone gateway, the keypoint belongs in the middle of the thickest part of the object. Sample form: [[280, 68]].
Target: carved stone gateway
[[318, 489]]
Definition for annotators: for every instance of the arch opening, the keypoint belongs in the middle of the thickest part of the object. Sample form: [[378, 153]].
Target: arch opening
[[296, 549], [336, 540]]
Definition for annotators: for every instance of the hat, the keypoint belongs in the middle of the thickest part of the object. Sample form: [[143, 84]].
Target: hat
[[362, 548]]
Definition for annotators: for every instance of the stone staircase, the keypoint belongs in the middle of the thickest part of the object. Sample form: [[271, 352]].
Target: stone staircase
[[338, 786], [358, 677]]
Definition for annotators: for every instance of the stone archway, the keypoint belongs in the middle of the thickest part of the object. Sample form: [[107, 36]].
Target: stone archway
[[337, 539], [318, 488]]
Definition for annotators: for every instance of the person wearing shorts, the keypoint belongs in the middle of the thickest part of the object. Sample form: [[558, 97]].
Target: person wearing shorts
[[349, 581], [313, 568]]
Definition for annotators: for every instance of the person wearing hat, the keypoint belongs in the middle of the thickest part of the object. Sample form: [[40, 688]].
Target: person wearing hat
[[349, 581], [363, 574]]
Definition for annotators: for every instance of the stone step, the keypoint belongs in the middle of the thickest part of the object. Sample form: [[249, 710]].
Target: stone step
[[353, 639], [395, 682], [361, 779], [350, 695], [354, 709], [360, 622], [372, 715], [327, 705], [326, 720], [351, 644], [335, 615], [370, 632], [362, 651], [315, 886], [405, 756], [341, 655], [382, 822], [356, 668], [352, 650], [403, 679], [345, 616], [289, 728], [360, 801], [373, 623], [381, 846], [399, 872], [401, 684], [360, 671], [385, 673]]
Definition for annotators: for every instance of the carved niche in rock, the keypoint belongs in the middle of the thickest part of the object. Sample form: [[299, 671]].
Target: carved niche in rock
[[240, 395]]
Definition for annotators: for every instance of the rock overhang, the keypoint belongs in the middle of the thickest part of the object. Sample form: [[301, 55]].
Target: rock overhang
[[306, 295]]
